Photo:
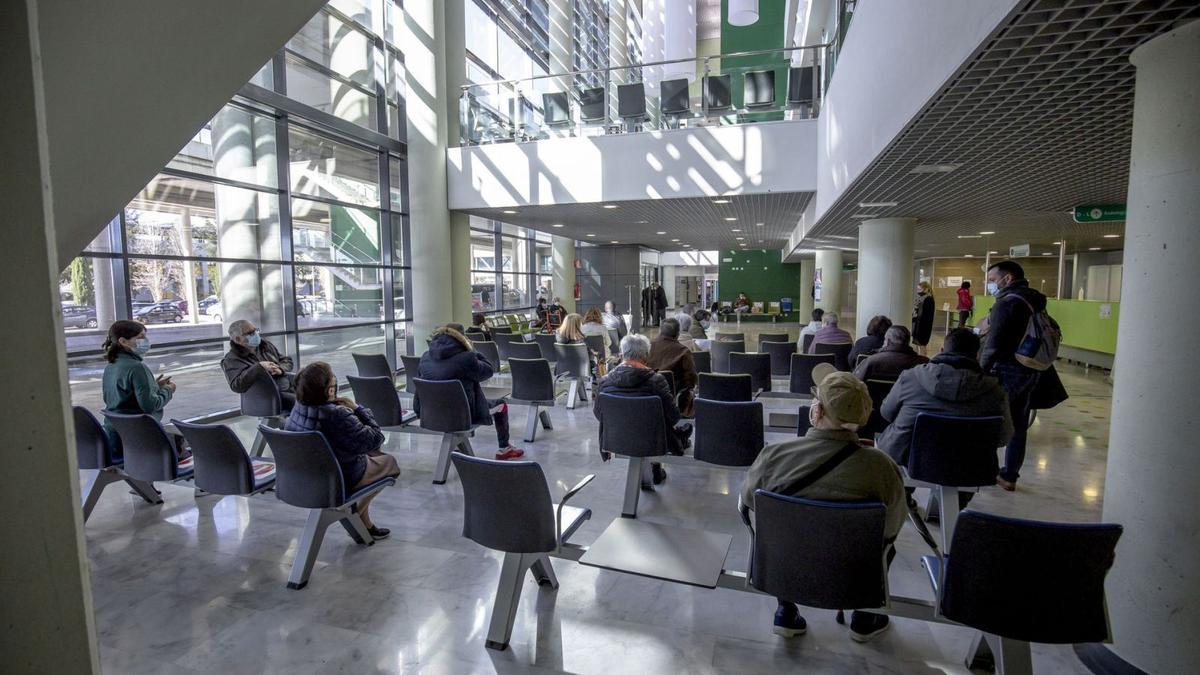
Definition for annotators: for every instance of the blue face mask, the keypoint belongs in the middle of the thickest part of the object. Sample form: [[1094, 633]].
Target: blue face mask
[[253, 340], [141, 346], [993, 288]]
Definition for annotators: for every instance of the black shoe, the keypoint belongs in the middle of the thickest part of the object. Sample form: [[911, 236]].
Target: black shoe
[[864, 626], [788, 622], [658, 473], [379, 532]]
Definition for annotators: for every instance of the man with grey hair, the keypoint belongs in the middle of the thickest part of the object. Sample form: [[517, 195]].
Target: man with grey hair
[[632, 377], [829, 334], [894, 358], [249, 355]]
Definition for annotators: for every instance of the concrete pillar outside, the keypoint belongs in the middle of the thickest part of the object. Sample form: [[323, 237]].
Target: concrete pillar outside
[[46, 606], [804, 303], [885, 269], [562, 268], [1152, 480], [829, 267]]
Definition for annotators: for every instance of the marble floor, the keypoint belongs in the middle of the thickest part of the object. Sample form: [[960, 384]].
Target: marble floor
[[197, 585]]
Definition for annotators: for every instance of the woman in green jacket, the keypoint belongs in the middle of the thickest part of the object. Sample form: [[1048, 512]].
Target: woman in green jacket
[[129, 385]]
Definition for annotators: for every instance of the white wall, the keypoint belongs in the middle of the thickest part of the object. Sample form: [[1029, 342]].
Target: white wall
[[694, 162]]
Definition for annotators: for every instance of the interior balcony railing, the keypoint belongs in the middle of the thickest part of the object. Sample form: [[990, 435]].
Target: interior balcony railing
[[735, 88]]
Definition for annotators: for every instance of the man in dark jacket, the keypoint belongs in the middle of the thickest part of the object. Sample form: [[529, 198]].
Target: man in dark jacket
[[667, 354], [632, 377], [660, 303], [894, 358], [451, 357], [1007, 321], [951, 384], [250, 355]]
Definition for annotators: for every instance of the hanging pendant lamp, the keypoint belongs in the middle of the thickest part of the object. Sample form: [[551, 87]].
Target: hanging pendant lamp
[[743, 12]]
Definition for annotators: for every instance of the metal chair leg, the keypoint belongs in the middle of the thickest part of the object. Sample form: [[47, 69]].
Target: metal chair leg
[[443, 461], [464, 445], [356, 528], [310, 546], [572, 393], [145, 490], [531, 420], [259, 444], [948, 498], [1013, 657], [508, 597], [543, 571], [101, 481], [544, 416], [633, 487]]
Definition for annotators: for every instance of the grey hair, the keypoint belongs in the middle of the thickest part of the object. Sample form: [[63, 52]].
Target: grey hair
[[830, 319], [897, 335], [635, 347], [238, 327]]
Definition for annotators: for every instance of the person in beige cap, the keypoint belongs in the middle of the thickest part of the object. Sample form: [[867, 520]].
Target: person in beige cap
[[851, 472]]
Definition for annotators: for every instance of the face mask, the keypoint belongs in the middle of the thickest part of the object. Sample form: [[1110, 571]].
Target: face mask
[[141, 346], [253, 340], [706, 323], [993, 288]]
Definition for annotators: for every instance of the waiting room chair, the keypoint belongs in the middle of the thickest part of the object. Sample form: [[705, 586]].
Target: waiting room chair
[[556, 109], [756, 365], [373, 365], [533, 385], [670, 378], [718, 97], [150, 453], [879, 389], [1059, 569], [502, 341], [780, 354], [380, 396], [728, 433], [631, 104], [614, 341], [593, 106], [721, 387], [829, 555], [800, 86], [262, 400], [703, 361], [949, 453], [412, 366], [308, 476], [806, 342], [595, 345], [720, 351], [726, 337], [446, 409], [93, 451], [674, 101], [758, 89], [491, 351], [800, 381], [573, 364], [841, 354], [545, 343], [500, 328], [507, 507], [221, 464], [475, 335], [524, 350], [634, 427]]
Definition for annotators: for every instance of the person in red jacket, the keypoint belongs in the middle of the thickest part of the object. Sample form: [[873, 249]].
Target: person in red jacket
[[965, 304]]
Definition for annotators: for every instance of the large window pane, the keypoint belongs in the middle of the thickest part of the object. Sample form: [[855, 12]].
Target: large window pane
[[330, 95], [516, 290], [88, 303], [103, 241], [187, 217], [332, 295], [483, 292], [515, 254], [483, 250], [235, 145], [399, 311], [336, 346], [223, 292], [323, 167], [396, 183], [332, 233], [336, 45], [397, 239]]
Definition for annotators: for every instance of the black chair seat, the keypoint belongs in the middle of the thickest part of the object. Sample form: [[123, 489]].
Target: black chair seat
[[367, 489]]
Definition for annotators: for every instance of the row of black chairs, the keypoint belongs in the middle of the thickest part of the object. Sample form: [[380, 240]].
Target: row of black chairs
[[775, 355]]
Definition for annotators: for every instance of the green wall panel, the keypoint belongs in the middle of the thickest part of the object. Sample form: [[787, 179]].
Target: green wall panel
[[766, 33], [761, 275], [1080, 320]]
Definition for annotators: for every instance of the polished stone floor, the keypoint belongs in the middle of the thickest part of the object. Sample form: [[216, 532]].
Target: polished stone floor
[[197, 585]]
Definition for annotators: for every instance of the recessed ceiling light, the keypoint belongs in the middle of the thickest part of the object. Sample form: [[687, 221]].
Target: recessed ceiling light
[[740, 238], [660, 233], [1111, 236], [993, 252], [720, 201], [864, 216], [735, 230], [1047, 254], [968, 256], [610, 206], [640, 222], [674, 240], [969, 236], [687, 245], [614, 241], [758, 224], [509, 211], [1058, 243], [841, 236], [557, 225], [590, 235], [987, 232], [731, 218], [934, 168], [1094, 248], [877, 205]]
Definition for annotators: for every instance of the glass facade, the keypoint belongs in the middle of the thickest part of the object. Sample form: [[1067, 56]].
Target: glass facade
[[515, 282], [282, 214], [589, 35]]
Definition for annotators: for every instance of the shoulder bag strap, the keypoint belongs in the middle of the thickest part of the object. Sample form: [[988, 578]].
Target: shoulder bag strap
[[825, 467]]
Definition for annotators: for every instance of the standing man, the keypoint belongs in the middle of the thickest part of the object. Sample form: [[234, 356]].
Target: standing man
[[1007, 321], [660, 303], [250, 354]]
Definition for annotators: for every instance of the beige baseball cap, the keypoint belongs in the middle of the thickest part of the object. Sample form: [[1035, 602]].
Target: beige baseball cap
[[842, 395]]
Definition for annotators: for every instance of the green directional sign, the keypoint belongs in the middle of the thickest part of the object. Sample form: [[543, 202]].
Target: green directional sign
[[1099, 213]]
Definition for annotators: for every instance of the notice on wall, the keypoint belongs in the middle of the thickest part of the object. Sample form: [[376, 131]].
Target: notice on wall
[[954, 281], [1105, 310], [817, 285]]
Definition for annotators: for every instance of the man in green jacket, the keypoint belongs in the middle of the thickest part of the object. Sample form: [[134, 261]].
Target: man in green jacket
[[841, 404], [250, 355]]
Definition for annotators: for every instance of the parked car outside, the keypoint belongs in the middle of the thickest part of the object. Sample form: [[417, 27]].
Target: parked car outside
[[159, 312], [78, 316]]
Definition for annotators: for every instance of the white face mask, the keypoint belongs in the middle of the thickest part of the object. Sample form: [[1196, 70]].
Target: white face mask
[[706, 323], [993, 288]]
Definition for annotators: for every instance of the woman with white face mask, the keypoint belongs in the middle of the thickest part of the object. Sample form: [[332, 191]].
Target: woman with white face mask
[[128, 384]]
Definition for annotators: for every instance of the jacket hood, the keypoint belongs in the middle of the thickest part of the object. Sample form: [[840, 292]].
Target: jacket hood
[[445, 346], [627, 376], [944, 381], [1020, 288]]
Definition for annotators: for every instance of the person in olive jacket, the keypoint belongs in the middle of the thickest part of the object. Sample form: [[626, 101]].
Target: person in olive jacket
[[129, 386], [250, 355]]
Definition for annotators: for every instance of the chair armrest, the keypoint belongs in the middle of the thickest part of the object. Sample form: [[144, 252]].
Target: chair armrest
[[744, 512], [563, 502]]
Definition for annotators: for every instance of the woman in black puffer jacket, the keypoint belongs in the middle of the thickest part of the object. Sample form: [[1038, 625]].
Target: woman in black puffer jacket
[[452, 357]]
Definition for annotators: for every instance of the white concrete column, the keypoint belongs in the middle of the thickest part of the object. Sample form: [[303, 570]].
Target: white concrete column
[[428, 124], [829, 266], [45, 592], [804, 303], [561, 43], [618, 48], [885, 269], [455, 67], [1152, 482], [562, 268]]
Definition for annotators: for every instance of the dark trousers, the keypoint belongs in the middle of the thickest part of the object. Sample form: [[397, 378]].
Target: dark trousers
[[963, 315], [499, 410], [1019, 383], [891, 555]]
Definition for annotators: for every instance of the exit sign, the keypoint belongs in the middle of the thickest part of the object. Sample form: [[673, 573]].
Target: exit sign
[[1098, 213]]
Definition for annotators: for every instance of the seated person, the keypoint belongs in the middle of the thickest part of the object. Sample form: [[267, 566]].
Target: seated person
[[632, 377], [129, 386], [571, 330], [894, 358], [555, 312], [684, 317], [593, 324], [451, 357], [249, 354], [829, 334], [350, 430], [539, 313], [742, 304], [952, 383], [479, 323], [666, 353], [613, 320], [841, 404], [813, 326], [873, 340]]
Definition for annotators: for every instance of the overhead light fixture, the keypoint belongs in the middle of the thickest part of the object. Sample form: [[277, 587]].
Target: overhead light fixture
[[1058, 243], [988, 232], [739, 238], [610, 206], [1094, 248], [660, 233], [993, 252], [674, 240], [1047, 254], [877, 205], [1111, 236], [865, 216], [968, 256], [842, 236], [509, 212], [557, 225], [934, 168], [743, 12], [640, 222], [614, 241], [720, 201], [730, 218], [758, 224], [589, 235], [970, 236]]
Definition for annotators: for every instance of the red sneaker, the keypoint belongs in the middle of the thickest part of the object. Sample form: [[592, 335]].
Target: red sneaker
[[510, 453]]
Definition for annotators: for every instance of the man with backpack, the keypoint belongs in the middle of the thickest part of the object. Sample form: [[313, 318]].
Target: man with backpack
[[1021, 341]]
